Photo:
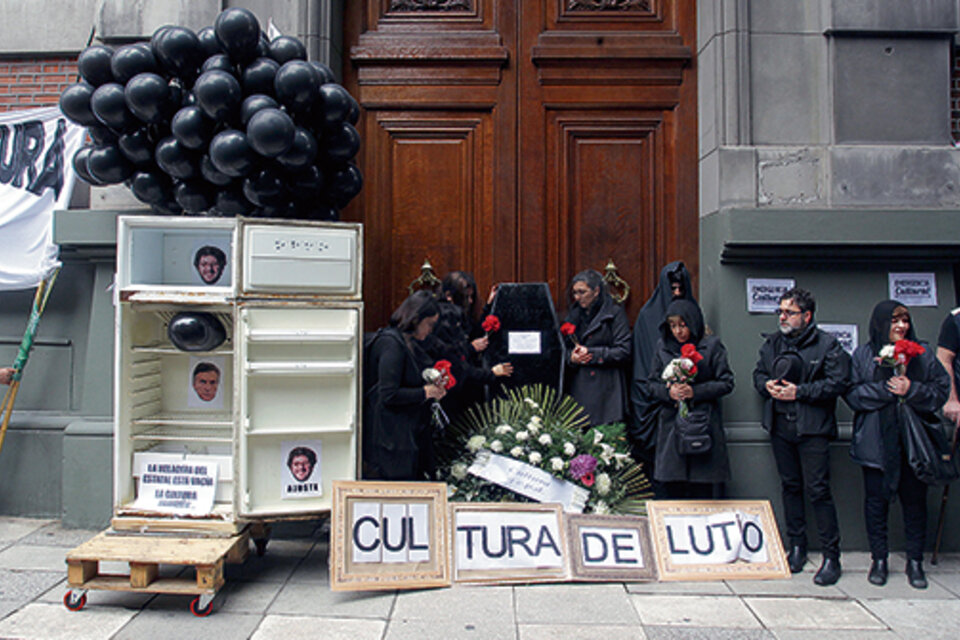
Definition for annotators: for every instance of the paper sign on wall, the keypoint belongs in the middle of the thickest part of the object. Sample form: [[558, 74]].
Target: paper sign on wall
[[520, 342], [182, 488], [913, 289], [846, 334], [763, 294]]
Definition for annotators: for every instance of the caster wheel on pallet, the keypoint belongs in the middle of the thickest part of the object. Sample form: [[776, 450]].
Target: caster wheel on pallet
[[261, 545], [197, 611], [73, 603]]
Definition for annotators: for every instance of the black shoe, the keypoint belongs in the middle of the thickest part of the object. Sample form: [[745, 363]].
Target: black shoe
[[878, 572], [915, 574], [797, 558], [828, 573]]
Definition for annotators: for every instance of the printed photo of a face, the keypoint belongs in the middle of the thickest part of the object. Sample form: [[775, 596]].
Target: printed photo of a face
[[301, 462], [210, 262], [301, 472], [206, 381]]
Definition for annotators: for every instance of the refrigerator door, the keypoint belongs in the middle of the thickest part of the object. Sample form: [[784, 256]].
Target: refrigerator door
[[299, 386]]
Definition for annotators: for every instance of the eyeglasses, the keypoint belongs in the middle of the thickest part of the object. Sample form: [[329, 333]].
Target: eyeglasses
[[787, 312]]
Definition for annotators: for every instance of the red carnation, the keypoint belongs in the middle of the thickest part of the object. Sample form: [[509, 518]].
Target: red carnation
[[491, 324], [449, 382], [443, 366], [567, 329], [690, 352]]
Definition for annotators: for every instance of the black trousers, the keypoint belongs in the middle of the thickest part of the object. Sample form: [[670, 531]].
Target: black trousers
[[913, 501], [803, 463], [689, 491]]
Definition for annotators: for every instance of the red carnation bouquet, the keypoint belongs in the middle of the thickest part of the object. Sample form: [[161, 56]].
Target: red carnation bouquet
[[570, 331], [682, 370], [446, 377], [899, 355], [491, 324]]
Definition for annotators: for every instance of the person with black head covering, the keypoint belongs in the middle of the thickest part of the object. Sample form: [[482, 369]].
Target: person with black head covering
[[674, 285], [598, 361], [682, 473], [800, 374], [877, 435], [397, 434]]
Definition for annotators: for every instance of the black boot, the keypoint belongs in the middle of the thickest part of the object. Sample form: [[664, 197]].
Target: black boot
[[878, 572], [797, 558], [828, 573], [915, 574]]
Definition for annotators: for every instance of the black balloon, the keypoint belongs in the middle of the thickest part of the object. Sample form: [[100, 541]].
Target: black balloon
[[231, 153], [194, 196], [155, 43], [148, 97], [302, 152], [150, 187], [75, 104], [259, 75], [208, 42], [110, 107], [286, 48], [101, 134], [211, 174], [193, 129], [232, 202], [94, 65], [264, 188], [353, 116], [137, 147], [344, 184], [218, 94], [196, 331], [306, 183], [341, 145], [176, 160], [263, 46], [108, 165], [238, 33], [270, 132], [255, 103], [131, 59], [219, 61], [180, 52], [334, 105], [325, 72], [168, 207], [325, 212], [80, 159], [297, 84]]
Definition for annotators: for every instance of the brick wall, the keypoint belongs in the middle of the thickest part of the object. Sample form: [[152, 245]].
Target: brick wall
[[26, 83]]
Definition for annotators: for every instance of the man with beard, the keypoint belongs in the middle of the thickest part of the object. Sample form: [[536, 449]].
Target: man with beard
[[801, 372]]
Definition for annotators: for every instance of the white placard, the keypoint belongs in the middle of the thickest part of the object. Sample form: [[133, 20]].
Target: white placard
[[913, 289], [389, 532], [846, 334], [528, 481], [508, 539], [205, 387], [520, 342], [763, 294], [608, 547], [719, 538], [301, 460], [181, 488]]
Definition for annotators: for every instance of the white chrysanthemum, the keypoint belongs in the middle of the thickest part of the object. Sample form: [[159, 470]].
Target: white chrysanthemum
[[535, 457], [602, 483], [669, 372], [535, 419], [569, 449], [887, 351], [556, 463], [516, 452], [502, 429], [476, 442], [533, 427], [496, 446], [545, 440], [459, 471], [530, 402], [601, 508], [522, 436]]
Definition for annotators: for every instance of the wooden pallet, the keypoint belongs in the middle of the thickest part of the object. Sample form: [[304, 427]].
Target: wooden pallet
[[145, 554]]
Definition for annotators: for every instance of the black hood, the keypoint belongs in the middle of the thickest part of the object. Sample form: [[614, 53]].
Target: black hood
[[647, 328], [880, 321], [692, 317]]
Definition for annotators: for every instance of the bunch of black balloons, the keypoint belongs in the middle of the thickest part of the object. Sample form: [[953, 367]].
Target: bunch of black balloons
[[218, 122]]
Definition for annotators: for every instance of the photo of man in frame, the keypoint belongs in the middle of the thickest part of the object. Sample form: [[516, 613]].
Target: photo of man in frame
[[210, 263]]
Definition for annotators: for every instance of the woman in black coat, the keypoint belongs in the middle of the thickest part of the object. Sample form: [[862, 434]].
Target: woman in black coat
[[692, 475], [597, 364], [876, 445], [397, 435]]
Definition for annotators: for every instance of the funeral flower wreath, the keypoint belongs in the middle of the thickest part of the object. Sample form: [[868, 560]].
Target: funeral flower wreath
[[536, 426]]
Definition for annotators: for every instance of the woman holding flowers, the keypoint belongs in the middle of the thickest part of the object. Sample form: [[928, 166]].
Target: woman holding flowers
[[598, 331], [892, 368], [397, 436], [688, 376]]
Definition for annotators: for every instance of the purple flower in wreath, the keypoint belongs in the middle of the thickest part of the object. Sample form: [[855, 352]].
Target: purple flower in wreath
[[583, 465]]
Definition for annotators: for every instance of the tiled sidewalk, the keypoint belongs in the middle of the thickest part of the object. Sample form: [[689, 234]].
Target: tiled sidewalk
[[285, 594]]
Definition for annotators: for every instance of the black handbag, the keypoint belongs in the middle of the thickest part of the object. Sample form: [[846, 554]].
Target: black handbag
[[927, 439], [693, 431]]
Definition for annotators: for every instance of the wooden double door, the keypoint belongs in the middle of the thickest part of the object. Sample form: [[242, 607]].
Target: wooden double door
[[523, 140]]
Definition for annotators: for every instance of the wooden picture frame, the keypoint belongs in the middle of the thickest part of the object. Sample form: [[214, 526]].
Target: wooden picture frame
[[362, 511], [610, 548], [708, 532], [525, 530]]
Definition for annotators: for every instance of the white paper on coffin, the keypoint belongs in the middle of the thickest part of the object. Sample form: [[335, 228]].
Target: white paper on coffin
[[529, 481]]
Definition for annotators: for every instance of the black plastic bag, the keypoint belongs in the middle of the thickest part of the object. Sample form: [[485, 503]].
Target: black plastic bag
[[693, 431], [927, 439]]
